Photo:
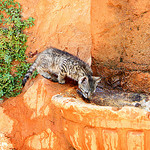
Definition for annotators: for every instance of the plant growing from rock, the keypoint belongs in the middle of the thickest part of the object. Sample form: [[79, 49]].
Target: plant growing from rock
[[13, 65]]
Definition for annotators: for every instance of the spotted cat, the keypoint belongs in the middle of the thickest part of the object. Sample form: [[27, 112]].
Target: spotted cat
[[55, 65]]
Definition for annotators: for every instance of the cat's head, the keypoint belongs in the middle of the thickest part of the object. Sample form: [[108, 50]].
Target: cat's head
[[87, 85]]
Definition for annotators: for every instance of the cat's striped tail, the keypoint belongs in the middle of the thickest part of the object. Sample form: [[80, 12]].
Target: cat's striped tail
[[29, 73]]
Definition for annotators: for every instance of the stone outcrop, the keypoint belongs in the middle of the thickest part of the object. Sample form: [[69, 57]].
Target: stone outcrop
[[121, 41], [91, 127], [120, 33], [62, 24], [30, 121], [116, 33], [47, 117]]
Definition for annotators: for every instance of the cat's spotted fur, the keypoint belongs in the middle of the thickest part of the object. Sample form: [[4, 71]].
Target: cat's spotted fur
[[55, 64]]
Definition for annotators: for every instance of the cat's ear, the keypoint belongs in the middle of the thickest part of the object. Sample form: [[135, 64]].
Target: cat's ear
[[97, 79], [83, 79]]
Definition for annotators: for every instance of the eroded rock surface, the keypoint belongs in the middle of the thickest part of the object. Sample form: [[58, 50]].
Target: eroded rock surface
[[116, 33], [87, 126], [30, 121], [121, 42], [120, 33], [62, 24], [53, 116]]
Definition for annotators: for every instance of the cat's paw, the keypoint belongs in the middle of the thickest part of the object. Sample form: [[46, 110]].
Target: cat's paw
[[47, 77], [54, 79], [62, 82]]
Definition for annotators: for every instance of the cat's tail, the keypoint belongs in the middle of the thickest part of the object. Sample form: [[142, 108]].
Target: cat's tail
[[29, 73]]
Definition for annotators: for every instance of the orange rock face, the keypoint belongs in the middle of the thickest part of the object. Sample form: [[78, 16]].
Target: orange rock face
[[120, 33], [137, 82], [115, 32], [43, 118], [62, 24], [31, 122], [93, 127], [121, 41]]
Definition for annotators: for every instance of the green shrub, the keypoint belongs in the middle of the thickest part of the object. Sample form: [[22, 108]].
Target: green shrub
[[13, 65]]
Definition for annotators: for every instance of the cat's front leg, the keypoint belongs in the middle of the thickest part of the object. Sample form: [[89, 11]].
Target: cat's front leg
[[61, 77], [62, 74]]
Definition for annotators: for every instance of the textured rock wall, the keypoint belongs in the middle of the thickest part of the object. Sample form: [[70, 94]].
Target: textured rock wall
[[120, 37], [30, 122], [121, 41], [121, 33], [116, 32], [62, 24], [44, 119], [90, 127], [120, 30]]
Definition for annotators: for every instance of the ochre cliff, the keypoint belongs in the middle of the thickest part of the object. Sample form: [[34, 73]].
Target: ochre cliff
[[121, 42], [117, 36], [62, 24], [44, 119], [120, 33], [115, 33], [30, 121]]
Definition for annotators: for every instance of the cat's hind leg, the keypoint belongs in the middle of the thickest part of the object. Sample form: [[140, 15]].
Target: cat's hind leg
[[53, 77], [47, 75], [62, 74], [50, 76]]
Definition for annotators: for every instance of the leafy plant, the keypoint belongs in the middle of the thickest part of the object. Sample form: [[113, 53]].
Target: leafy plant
[[13, 65]]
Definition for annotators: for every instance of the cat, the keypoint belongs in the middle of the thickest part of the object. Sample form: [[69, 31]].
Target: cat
[[55, 65]]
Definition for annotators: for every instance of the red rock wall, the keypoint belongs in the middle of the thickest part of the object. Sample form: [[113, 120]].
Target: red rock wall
[[116, 32], [62, 24], [121, 41], [121, 33], [30, 121], [119, 30], [43, 119]]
